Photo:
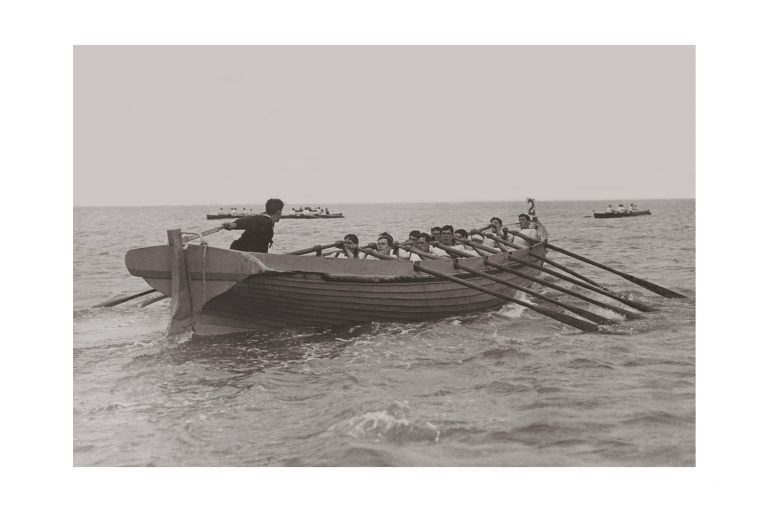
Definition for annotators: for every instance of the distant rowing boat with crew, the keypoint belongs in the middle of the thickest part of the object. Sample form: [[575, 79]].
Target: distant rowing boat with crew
[[613, 215], [219, 291], [296, 214]]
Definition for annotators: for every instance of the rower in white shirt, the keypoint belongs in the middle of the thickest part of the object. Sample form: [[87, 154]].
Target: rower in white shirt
[[528, 228]]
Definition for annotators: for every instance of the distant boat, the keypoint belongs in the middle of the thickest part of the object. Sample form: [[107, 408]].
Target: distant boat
[[313, 216], [296, 214], [611, 215]]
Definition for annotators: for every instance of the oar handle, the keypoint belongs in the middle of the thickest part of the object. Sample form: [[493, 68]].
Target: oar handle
[[377, 254], [312, 249], [454, 250], [195, 236], [485, 248], [422, 253]]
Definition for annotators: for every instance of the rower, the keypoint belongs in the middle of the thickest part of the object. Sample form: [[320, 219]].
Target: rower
[[497, 229], [348, 248], [384, 243], [610, 209], [621, 208], [401, 251], [528, 228], [436, 233]]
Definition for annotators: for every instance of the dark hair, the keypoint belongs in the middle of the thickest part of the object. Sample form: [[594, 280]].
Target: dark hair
[[496, 218], [448, 227], [462, 232], [438, 228], [387, 236], [273, 206], [415, 233], [353, 238], [425, 235], [526, 217]]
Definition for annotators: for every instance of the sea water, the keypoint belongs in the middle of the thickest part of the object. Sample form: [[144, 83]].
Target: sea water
[[506, 387]]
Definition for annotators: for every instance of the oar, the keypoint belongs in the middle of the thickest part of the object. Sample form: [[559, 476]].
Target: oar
[[377, 254], [194, 236], [314, 248], [602, 291], [153, 300], [555, 264], [655, 288], [560, 317], [628, 314], [119, 300], [574, 309]]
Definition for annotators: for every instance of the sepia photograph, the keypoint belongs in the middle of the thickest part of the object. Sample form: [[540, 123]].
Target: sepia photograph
[[384, 256]]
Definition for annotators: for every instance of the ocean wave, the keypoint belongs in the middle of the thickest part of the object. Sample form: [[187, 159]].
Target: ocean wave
[[582, 362], [391, 424]]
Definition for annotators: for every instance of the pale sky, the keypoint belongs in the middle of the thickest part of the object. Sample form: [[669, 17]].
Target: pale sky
[[353, 124]]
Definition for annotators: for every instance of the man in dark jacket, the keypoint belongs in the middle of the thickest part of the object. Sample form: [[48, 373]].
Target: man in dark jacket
[[258, 229]]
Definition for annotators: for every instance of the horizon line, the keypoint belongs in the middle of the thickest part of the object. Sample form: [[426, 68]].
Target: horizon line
[[389, 202]]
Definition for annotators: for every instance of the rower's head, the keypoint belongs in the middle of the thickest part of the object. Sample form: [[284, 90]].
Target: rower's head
[[274, 208], [412, 236], [351, 240], [423, 242], [462, 233], [496, 221], [384, 243], [524, 220], [446, 235], [436, 233]]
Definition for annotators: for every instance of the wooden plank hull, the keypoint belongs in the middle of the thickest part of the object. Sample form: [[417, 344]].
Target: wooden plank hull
[[606, 215], [306, 291]]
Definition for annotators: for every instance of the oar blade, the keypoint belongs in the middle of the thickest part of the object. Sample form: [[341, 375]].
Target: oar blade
[[119, 300], [655, 288]]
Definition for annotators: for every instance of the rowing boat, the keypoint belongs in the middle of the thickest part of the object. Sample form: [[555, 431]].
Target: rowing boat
[[216, 216], [313, 216], [219, 291], [612, 215]]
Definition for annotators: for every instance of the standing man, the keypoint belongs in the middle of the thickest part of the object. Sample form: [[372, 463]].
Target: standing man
[[258, 229]]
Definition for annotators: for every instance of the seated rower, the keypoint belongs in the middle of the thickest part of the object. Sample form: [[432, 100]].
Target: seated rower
[[424, 244], [436, 233], [621, 208], [348, 248], [446, 238], [610, 209], [528, 228], [402, 251], [384, 244], [462, 233], [497, 229]]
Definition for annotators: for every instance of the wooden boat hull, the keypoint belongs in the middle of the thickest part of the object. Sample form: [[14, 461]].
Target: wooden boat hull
[[235, 293], [606, 215]]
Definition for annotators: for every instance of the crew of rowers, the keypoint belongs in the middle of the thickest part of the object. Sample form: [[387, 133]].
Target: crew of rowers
[[458, 239], [308, 210], [622, 209]]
